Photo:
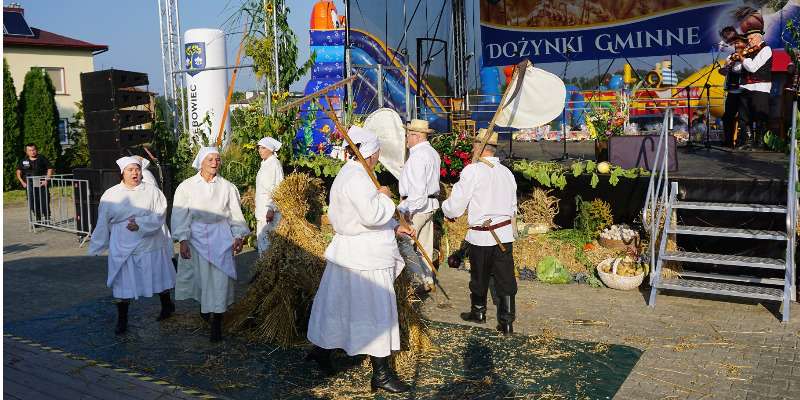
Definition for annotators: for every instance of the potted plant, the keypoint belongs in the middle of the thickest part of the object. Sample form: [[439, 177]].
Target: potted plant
[[455, 150], [603, 122]]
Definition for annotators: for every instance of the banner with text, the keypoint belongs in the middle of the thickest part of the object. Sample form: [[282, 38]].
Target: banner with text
[[560, 30]]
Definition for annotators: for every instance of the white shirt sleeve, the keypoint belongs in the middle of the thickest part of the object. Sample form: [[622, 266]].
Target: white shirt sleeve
[[461, 194], [753, 64], [372, 207], [153, 221], [415, 180], [181, 218], [102, 232], [238, 224]]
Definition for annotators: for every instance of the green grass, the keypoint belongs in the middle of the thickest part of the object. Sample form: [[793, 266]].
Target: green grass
[[13, 197]]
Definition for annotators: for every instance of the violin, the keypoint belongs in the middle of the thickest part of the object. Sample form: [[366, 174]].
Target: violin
[[748, 52]]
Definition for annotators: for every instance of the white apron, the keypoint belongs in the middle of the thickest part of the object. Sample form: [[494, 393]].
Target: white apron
[[215, 243]]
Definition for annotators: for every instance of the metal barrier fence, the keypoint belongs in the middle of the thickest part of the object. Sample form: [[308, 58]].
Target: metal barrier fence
[[59, 202]]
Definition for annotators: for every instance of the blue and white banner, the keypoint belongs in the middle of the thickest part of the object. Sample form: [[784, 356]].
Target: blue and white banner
[[560, 30]]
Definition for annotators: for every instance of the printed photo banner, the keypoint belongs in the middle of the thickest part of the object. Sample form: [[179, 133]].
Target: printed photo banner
[[558, 30]]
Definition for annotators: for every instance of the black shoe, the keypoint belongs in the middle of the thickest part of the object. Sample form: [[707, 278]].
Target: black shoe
[[167, 306], [476, 314], [122, 317], [323, 360], [216, 327], [506, 314], [384, 378]]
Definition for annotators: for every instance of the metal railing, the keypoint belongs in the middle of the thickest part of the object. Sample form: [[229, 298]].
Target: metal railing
[[791, 215], [59, 202], [656, 200]]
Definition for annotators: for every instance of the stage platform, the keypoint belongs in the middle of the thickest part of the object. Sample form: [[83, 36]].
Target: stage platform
[[693, 163]]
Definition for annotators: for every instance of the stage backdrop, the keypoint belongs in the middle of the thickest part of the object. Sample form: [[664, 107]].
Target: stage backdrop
[[559, 30]]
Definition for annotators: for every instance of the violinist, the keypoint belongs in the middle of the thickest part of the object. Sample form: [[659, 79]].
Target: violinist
[[732, 84], [756, 69]]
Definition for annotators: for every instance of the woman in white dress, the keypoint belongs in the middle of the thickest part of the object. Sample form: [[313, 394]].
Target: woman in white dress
[[130, 224], [269, 176], [355, 308], [207, 220]]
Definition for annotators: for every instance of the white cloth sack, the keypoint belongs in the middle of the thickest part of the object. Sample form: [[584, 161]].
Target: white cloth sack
[[539, 100], [356, 310], [388, 126]]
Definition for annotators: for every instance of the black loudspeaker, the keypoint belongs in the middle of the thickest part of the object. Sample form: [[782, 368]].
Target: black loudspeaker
[[640, 151], [109, 80], [107, 96], [113, 120]]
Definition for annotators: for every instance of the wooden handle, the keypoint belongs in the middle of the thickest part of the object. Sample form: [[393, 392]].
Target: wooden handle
[[332, 115], [503, 104]]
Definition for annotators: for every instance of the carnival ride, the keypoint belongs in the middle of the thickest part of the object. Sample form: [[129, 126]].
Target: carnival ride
[[373, 88]]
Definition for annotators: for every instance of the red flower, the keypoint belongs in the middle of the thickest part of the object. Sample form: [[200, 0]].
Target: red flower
[[453, 173], [447, 160], [442, 172]]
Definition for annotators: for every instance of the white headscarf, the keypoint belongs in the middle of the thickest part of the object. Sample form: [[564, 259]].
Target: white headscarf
[[201, 155], [125, 161], [270, 143], [143, 161], [368, 140]]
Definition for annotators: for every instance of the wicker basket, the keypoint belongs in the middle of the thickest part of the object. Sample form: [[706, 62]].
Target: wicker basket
[[630, 245], [615, 281]]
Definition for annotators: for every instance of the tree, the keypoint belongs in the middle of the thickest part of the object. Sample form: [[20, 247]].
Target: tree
[[12, 135], [260, 42], [77, 155], [40, 114]]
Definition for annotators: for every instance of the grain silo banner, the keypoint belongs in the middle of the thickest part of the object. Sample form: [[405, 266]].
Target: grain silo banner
[[559, 30]]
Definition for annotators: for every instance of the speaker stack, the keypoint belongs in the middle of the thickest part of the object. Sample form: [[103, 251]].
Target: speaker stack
[[115, 103]]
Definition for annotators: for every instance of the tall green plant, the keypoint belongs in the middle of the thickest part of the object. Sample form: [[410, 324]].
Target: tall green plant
[[77, 155], [261, 42], [40, 114], [176, 152], [12, 135]]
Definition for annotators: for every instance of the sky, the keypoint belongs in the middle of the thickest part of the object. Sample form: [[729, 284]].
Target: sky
[[131, 30]]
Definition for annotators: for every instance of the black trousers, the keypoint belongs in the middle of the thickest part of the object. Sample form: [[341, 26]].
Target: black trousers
[[730, 116], [753, 114], [39, 202], [488, 261]]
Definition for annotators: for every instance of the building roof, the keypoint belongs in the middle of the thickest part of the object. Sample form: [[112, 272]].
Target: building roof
[[47, 39]]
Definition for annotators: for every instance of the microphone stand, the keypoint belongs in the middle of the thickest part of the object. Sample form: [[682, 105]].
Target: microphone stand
[[564, 155]]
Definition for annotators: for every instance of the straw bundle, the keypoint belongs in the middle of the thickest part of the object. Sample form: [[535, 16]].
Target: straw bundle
[[415, 338], [277, 303], [670, 269], [541, 208]]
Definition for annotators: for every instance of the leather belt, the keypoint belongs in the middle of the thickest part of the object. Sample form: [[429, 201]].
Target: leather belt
[[430, 196], [491, 227]]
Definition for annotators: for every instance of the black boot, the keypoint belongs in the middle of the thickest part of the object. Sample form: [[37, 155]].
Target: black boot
[[216, 327], [122, 317], [167, 306], [384, 378], [206, 316], [478, 311], [323, 359], [506, 314]]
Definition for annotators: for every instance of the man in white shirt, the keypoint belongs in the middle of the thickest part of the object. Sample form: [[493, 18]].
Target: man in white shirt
[[488, 190], [207, 220], [419, 186], [756, 84], [269, 176]]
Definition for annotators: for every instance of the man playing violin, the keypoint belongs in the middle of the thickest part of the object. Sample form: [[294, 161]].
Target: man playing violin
[[756, 69], [732, 83]]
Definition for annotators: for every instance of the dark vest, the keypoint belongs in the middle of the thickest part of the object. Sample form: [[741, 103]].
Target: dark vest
[[763, 74], [732, 80]]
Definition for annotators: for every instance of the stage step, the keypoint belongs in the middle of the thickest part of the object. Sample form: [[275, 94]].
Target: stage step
[[724, 259], [734, 278], [722, 288], [727, 232], [710, 206]]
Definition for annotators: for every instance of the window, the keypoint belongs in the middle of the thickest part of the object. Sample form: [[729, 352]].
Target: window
[[63, 131], [57, 76]]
